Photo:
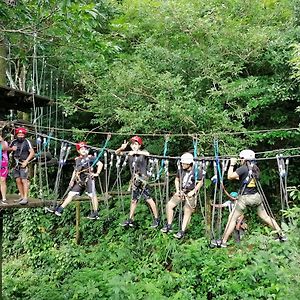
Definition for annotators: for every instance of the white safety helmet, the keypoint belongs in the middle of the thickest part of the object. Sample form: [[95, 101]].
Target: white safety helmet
[[187, 158], [247, 155]]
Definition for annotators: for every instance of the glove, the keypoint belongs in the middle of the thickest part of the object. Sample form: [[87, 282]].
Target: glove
[[233, 161], [214, 179], [191, 193]]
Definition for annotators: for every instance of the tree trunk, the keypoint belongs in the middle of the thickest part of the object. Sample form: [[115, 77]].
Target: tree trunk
[[2, 62]]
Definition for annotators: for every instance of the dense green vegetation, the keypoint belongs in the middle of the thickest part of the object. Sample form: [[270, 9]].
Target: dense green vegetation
[[43, 261], [209, 68]]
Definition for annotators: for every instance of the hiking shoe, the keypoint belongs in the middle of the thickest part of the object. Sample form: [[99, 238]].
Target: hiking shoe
[[167, 228], [155, 223], [179, 235], [93, 215], [23, 201], [128, 222], [59, 211]]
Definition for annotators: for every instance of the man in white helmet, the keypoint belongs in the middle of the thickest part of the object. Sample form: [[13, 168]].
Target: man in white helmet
[[247, 174], [187, 187]]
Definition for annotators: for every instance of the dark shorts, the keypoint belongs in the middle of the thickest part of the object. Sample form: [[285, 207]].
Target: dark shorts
[[141, 192], [89, 187], [22, 173]]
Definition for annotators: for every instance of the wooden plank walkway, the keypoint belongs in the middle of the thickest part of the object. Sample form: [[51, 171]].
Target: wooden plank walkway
[[13, 200]]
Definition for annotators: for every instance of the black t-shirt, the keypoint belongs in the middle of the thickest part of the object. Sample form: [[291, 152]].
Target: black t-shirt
[[83, 165], [23, 149], [138, 164], [248, 185], [187, 179]]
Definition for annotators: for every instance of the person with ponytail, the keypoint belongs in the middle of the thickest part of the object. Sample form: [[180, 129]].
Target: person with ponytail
[[247, 174]]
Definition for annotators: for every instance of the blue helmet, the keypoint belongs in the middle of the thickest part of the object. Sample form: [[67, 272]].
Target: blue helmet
[[234, 194]]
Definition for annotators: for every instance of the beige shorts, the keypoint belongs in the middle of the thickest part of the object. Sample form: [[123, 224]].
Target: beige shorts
[[253, 200], [190, 202]]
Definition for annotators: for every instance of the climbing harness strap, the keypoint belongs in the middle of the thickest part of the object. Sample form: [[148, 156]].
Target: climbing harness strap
[[282, 164]]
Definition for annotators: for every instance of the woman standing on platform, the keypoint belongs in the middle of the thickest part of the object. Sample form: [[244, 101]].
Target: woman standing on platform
[[3, 168]]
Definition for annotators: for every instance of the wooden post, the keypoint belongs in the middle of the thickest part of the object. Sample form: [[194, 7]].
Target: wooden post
[[208, 217], [77, 222]]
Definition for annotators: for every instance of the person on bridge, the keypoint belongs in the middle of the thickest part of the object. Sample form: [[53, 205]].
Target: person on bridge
[[23, 153], [138, 160], [187, 187], [249, 195], [82, 179]]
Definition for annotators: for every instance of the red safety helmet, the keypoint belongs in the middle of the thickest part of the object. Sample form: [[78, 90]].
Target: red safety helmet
[[137, 139], [80, 145], [21, 130]]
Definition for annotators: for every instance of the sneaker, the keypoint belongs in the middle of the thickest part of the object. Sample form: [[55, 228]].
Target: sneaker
[[281, 238], [93, 215], [23, 201], [4, 201], [218, 244], [128, 222], [155, 223], [59, 211], [50, 209], [179, 235], [223, 245], [167, 228]]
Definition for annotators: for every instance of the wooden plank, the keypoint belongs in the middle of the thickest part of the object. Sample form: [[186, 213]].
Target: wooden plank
[[77, 237], [13, 200]]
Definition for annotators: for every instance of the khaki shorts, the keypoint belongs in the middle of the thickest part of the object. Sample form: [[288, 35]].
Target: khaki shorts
[[253, 200], [190, 202]]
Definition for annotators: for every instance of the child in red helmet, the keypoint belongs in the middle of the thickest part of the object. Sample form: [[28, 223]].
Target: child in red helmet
[[22, 153], [82, 179], [3, 168], [137, 160]]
